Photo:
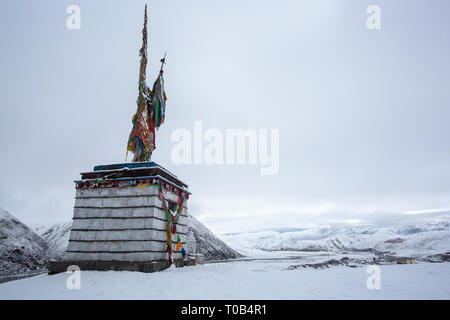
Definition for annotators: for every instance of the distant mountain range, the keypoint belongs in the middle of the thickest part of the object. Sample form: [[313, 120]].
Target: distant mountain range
[[419, 240]]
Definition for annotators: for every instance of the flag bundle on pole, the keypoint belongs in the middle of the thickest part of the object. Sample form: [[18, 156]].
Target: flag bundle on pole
[[151, 108], [159, 101]]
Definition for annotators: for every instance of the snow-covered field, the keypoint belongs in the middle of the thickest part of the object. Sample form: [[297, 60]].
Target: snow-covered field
[[258, 279]]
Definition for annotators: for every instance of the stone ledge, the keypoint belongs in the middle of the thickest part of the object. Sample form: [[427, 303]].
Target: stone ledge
[[144, 266]]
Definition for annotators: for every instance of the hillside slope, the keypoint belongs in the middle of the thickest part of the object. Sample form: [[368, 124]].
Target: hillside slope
[[56, 235], [21, 249], [208, 244]]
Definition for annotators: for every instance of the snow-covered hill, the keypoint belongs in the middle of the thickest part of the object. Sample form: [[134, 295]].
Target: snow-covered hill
[[21, 249], [423, 240], [208, 244], [57, 237]]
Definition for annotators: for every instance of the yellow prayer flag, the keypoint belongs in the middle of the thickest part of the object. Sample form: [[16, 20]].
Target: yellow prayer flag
[[143, 185]]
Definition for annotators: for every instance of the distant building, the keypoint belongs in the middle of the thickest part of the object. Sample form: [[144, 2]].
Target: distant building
[[405, 261]]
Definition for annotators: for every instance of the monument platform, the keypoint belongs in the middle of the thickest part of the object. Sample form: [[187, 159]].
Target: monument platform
[[127, 216]]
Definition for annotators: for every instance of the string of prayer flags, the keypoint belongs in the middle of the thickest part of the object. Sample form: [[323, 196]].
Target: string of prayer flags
[[144, 185], [171, 225], [179, 244]]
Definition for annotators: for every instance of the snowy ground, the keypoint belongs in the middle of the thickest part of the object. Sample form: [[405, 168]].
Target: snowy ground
[[259, 279]]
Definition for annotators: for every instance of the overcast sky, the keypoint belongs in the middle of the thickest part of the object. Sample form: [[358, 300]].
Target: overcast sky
[[363, 114]]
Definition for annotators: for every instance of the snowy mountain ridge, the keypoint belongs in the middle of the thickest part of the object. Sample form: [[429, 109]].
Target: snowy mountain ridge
[[208, 244], [56, 235], [418, 240], [21, 249]]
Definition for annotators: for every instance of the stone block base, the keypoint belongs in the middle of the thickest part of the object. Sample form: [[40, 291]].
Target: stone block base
[[141, 266]]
